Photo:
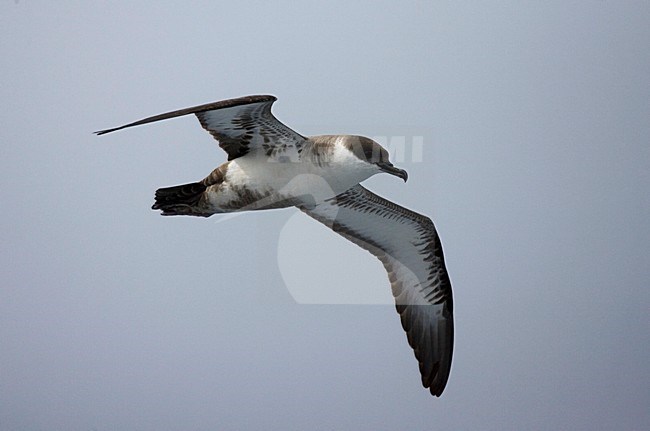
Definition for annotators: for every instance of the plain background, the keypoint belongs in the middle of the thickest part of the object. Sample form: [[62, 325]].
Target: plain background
[[535, 168]]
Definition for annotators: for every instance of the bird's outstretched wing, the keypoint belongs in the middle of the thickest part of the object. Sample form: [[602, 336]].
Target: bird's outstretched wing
[[240, 125], [408, 246]]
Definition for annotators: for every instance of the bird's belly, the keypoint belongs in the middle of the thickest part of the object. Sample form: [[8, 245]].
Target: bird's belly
[[273, 184]]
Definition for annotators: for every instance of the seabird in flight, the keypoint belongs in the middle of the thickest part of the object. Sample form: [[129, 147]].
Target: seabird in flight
[[271, 166]]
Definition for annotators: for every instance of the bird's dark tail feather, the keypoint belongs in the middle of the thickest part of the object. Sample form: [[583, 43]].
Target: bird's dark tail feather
[[180, 200]]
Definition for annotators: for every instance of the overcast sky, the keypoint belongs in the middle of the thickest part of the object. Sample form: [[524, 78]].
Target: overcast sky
[[524, 129]]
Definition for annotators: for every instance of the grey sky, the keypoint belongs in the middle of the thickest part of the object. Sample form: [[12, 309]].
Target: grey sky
[[535, 168]]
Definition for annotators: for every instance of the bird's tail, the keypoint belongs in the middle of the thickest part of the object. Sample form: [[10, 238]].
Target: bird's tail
[[181, 200]]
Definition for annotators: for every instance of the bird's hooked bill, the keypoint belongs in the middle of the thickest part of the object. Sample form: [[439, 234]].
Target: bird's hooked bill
[[390, 169]]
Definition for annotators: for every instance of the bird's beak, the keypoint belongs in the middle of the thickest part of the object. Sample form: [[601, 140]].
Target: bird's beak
[[390, 169]]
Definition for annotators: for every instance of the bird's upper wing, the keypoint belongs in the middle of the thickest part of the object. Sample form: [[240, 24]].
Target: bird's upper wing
[[408, 246], [240, 125]]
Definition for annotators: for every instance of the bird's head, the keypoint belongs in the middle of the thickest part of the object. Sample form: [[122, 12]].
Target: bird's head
[[371, 152]]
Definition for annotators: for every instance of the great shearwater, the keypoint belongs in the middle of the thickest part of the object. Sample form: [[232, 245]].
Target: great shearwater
[[271, 166]]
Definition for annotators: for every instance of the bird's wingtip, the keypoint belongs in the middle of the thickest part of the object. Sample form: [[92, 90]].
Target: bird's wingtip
[[103, 132]]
